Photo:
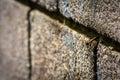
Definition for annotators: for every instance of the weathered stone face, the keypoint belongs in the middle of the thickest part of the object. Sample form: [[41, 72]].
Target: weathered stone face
[[13, 41], [79, 10], [107, 17], [101, 15], [108, 63], [51, 5], [59, 53]]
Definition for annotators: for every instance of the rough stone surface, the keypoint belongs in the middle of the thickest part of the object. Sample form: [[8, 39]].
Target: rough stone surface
[[107, 17], [51, 5], [13, 41], [102, 15], [58, 52], [79, 10], [108, 63]]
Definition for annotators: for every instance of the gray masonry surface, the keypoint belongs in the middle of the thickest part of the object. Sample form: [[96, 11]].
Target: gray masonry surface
[[36, 46], [13, 41]]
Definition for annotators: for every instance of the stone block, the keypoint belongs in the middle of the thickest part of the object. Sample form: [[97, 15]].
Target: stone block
[[107, 18], [58, 52], [79, 10], [13, 41], [108, 63]]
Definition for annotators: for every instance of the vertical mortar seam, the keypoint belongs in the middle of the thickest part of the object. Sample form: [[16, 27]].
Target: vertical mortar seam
[[95, 52], [29, 42]]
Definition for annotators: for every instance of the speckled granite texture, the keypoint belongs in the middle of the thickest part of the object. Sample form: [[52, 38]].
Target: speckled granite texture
[[101, 15], [13, 41], [108, 63], [107, 17], [59, 53], [79, 10]]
